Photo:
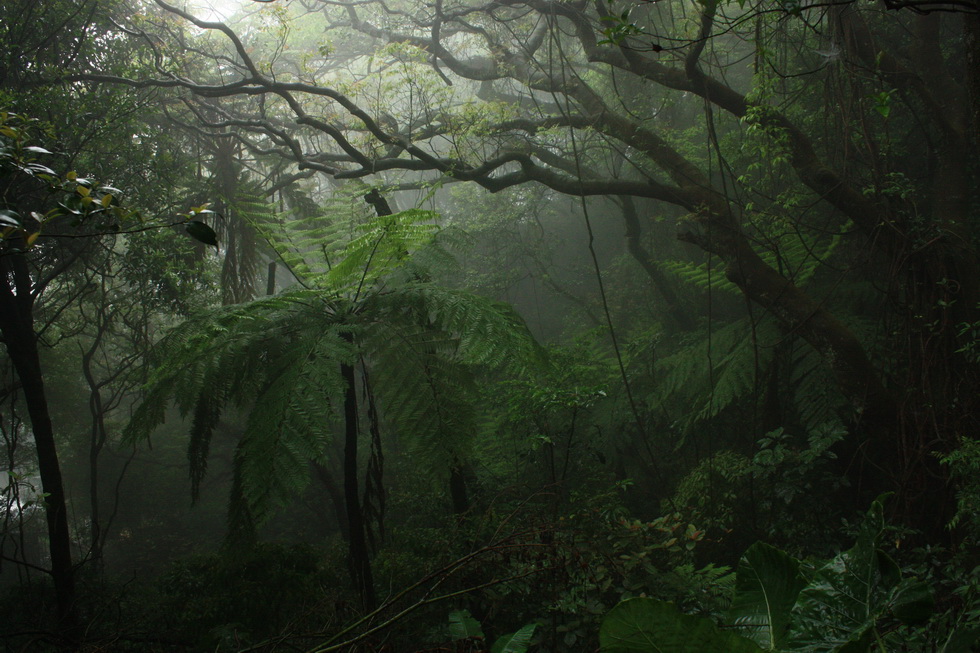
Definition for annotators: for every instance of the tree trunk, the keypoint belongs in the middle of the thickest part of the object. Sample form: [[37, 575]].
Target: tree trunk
[[457, 488], [359, 558], [17, 328]]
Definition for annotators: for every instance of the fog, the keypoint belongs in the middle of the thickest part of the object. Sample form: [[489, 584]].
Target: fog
[[511, 326]]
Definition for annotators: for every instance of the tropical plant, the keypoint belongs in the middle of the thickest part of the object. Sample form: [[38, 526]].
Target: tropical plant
[[370, 320], [463, 627], [847, 604], [799, 182]]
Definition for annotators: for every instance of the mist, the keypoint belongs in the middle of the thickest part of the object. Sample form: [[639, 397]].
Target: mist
[[522, 326]]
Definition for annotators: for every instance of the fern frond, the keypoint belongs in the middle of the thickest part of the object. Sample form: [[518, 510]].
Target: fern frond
[[291, 421], [279, 358], [796, 255], [709, 378], [384, 245], [816, 397], [487, 333], [701, 276]]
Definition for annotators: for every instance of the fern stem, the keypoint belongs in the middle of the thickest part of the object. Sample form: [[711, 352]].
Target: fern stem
[[360, 561]]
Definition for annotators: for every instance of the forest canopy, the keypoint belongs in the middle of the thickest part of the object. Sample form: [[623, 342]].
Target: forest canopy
[[508, 325]]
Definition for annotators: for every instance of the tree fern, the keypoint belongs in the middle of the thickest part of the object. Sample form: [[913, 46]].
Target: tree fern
[[289, 424], [279, 358], [713, 373], [701, 276], [817, 400], [308, 242], [243, 211], [709, 375]]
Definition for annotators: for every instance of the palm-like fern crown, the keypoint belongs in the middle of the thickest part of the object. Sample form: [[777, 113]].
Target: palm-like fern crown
[[367, 301], [707, 373]]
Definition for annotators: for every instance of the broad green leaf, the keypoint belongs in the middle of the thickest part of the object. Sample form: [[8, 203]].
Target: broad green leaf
[[202, 232], [847, 596], [911, 601], [463, 626], [644, 625], [515, 642], [768, 582]]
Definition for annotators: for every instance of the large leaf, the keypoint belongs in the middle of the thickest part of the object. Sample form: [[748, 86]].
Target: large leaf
[[768, 582], [463, 626], [847, 596], [643, 625], [515, 642], [911, 601]]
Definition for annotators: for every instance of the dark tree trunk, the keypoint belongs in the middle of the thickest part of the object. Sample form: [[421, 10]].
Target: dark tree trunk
[[373, 506], [270, 283], [17, 328], [457, 489], [360, 560]]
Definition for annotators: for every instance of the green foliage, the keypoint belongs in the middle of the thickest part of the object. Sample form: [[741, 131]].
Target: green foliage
[[223, 602], [167, 275], [462, 626], [644, 625], [750, 368], [518, 642], [848, 598], [964, 467], [380, 248], [768, 585], [796, 254], [598, 557], [793, 475], [783, 605], [702, 276], [544, 427], [78, 201], [279, 359], [708, 376], [711, 493], [957, 628]]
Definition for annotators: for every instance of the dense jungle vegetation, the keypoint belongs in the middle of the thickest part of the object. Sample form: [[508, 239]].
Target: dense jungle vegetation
[[497, 326]]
